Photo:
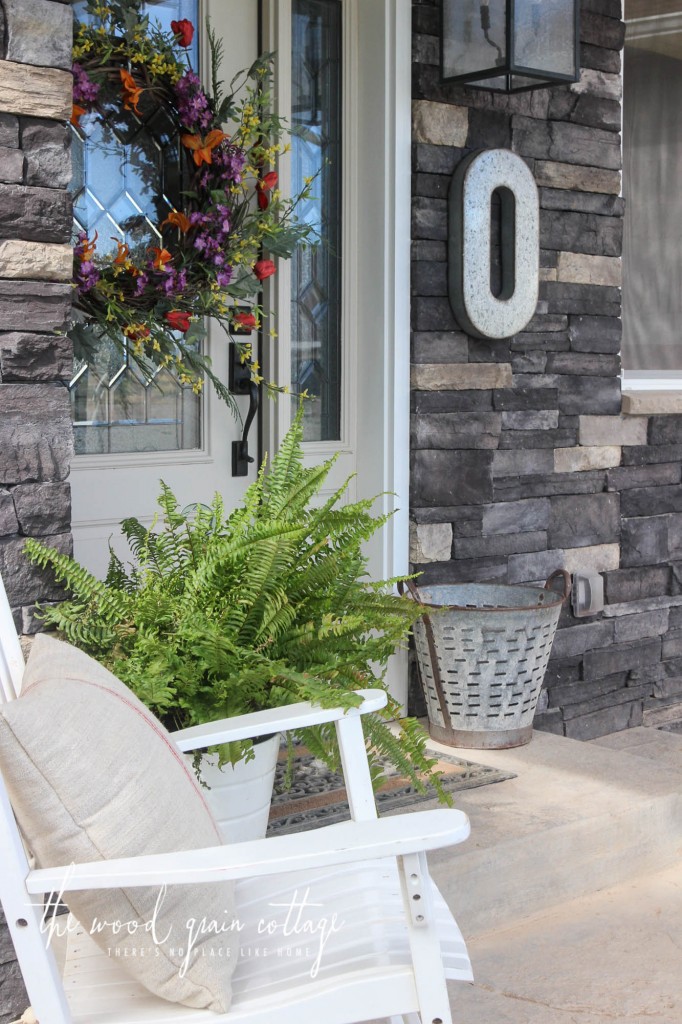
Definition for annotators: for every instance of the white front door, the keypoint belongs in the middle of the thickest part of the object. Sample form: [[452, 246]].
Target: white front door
[[341, 309], [128, 436]]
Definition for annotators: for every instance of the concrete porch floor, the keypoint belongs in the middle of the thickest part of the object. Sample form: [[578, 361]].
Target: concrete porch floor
[[569, 891], [613, 956]]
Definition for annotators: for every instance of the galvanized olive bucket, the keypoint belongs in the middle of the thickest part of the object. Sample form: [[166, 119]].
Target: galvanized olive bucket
[[482, 658]]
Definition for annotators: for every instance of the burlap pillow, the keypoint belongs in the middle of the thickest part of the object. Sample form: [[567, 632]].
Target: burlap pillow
[[92, 775]]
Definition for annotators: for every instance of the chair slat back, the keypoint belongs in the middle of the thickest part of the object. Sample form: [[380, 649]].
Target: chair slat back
[[11, 657]]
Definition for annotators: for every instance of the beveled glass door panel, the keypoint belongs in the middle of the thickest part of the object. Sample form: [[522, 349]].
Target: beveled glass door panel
[[317, 117], [116, 409], [128, 175]]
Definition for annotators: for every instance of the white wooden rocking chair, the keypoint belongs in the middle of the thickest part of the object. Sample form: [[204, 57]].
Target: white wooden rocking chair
[[399, 942]]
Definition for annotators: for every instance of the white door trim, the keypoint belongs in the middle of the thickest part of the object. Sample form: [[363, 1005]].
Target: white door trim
[[397, 276], [390, 172]]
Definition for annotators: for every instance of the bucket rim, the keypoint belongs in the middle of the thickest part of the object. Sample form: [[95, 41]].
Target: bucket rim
[[553, 599]]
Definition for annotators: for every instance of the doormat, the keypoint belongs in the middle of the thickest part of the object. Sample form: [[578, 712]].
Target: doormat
[[317, 795]]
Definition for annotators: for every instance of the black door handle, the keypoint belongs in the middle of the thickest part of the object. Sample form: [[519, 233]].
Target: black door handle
[[241, 384], [240, 449]]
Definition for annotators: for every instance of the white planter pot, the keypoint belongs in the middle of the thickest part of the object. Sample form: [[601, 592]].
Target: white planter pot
[[240, 795]]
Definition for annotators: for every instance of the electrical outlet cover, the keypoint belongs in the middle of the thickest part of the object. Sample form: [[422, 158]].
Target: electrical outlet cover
[[587, 595]]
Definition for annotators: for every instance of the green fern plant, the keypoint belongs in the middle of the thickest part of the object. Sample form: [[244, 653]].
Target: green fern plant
[[220, 615]]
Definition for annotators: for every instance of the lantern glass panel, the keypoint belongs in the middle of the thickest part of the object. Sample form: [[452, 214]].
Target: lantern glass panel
[[544, 35], [475, 37], [508, 83]]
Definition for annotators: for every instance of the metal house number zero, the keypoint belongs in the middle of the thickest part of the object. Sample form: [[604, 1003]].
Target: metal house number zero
[[478, 311]]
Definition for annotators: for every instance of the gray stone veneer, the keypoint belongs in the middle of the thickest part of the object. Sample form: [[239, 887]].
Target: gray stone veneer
[[521, 459], [35, 292], [35, 297]]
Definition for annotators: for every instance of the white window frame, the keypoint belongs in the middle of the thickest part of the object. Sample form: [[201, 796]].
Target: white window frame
[[650, 380]]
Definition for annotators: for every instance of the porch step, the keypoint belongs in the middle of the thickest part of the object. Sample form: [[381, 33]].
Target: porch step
[[662, 713], [662, 744], [578, 818]]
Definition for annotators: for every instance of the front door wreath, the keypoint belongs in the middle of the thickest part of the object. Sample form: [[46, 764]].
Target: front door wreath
[[217, 245]]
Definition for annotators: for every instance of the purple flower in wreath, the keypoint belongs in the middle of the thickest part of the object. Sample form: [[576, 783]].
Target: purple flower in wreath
[[84, 89], [223, 277], [168, 284], [79, 247], [232, 160], [193, 105], [141, 283], [225, 168], [173, 282], [222, 219], [87, 276]]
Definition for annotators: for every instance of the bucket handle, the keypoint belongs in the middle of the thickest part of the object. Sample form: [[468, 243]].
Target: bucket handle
[[566, 577], [433, 656], [410, 585]]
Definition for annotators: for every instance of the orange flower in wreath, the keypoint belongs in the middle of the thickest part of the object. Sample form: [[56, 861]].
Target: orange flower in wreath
[[263, 269], [76, 113], [131, 91], [123, 252], [180, 220], [87, 249], [202, 148], [161, 258]]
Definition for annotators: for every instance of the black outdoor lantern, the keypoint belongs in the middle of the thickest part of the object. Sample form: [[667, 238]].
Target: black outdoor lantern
[[511, 45]]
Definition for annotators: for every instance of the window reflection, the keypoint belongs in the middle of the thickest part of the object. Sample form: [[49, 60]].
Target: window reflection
[[316, 268]]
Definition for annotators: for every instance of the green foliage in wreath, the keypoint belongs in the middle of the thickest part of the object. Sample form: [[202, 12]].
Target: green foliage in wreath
[[217, 246], [270, 605]]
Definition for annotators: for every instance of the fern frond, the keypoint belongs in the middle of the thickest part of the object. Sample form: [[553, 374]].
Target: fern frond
[[116, 576], [112, 605], [291, 499]]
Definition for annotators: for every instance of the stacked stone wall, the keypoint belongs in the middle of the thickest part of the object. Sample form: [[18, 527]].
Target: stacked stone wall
[[35, 291], [525, 456], [35, 297]]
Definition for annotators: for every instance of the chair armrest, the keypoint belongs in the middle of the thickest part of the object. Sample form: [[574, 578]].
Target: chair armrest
[[343, 843], [260, 723]]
